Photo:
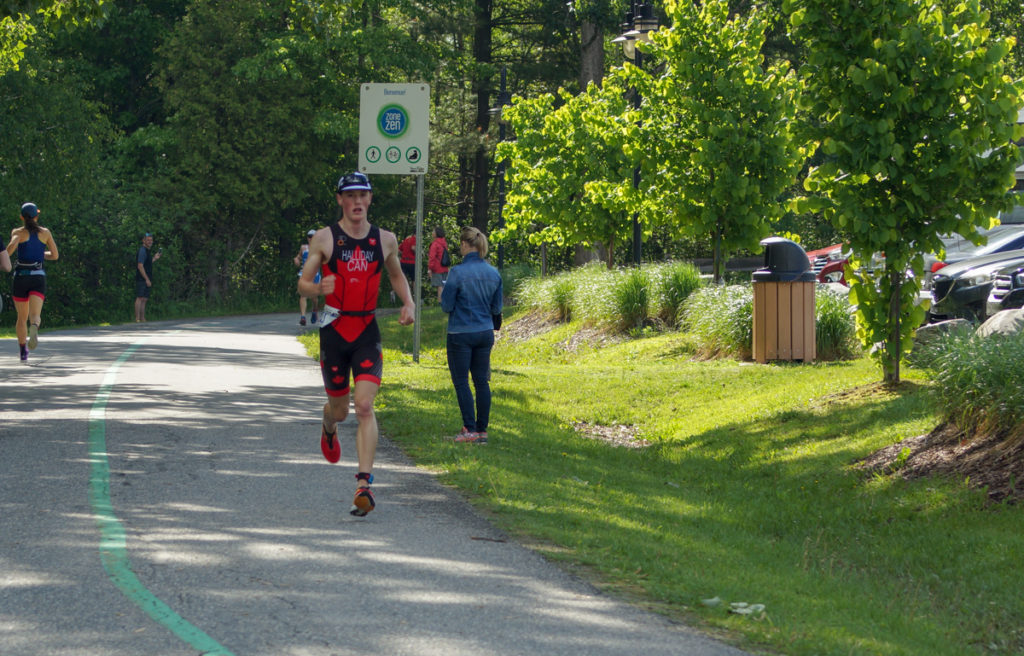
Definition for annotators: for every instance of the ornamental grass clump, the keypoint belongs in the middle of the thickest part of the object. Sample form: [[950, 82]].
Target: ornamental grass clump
[[721, 321], [631, 294], [563, 289], [551, 295], [835, 325], [671, 285], [979, 384], [533, 293], [593, 287]]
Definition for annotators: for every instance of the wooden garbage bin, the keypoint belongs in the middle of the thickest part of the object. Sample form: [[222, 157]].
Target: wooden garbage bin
[[784, 326]]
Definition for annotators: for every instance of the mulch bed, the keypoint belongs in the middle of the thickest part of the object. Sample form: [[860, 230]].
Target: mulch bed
[[992, 461]]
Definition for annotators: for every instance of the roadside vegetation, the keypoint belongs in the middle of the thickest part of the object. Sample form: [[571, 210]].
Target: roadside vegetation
[[731, 495]]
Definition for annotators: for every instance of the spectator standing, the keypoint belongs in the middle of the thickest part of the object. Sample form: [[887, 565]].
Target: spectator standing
[[437, 262], [472, 298], [407, 257], [144, 275]]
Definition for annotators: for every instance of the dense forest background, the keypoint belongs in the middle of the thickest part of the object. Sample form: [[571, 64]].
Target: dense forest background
[[222, 126]]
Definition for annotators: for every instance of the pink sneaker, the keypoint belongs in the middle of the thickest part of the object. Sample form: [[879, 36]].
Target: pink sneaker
[[467, 437]]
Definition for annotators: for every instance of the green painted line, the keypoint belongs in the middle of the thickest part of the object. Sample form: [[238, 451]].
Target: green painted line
[[113, 544]]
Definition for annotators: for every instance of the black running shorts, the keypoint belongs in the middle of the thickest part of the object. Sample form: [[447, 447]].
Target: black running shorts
[[338, 357], [25, 286]]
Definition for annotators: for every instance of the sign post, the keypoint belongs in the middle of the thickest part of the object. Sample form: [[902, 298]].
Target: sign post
[[394, 139]]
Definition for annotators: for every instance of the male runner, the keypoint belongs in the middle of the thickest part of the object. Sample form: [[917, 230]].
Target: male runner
[[351, 255]]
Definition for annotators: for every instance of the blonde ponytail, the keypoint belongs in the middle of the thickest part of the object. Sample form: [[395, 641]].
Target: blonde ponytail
[[476, 239]]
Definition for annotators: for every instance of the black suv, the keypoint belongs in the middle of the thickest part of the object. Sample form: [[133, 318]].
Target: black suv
[[1007, 289], [962, 289]]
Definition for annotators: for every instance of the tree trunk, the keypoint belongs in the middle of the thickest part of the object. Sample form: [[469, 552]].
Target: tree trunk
[[592, 55], [591, 70], [213, 278], [893, 350], [482, 90], [716, 266], [481, 190], [581, 254], [465, 191]]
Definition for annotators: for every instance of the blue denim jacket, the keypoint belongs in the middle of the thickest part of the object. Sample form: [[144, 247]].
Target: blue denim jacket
[[471, 295]]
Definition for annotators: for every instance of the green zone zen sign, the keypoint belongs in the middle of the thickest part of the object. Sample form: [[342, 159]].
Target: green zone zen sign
[[394, 128]]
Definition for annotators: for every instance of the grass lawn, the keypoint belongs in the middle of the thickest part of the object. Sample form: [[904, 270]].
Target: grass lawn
[[746, 493]]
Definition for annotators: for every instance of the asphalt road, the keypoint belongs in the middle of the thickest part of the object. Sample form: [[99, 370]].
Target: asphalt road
[[162, 492]]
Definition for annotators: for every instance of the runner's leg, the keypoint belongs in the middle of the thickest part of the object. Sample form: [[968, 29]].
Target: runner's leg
[[335, 412], [21, 328], [366, 433], [35, 310]]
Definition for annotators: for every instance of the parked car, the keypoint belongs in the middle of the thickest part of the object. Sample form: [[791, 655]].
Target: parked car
[[1009, 237], [1007, 289], [961, 290], [827, 263]]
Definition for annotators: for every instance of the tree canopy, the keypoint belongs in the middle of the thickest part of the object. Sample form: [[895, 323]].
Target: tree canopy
[[916, 117], [715, 133], [223, 126]]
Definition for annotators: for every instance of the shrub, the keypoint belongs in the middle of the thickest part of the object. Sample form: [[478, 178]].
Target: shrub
[[720, 318], [530, 293], [836, 329], [577, 294], [563, 288], [978, 384], [673, 283], [630, 295], [591, 293]]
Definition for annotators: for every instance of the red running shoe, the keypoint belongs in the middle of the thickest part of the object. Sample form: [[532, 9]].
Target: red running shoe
[[330, 445], [363, 503]]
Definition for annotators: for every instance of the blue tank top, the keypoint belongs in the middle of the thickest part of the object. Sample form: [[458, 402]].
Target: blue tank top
[[31, 252]]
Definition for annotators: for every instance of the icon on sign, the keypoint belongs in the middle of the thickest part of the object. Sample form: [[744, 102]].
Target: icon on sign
[[413, 155], [373, 154], [393, 154], [393, 121]]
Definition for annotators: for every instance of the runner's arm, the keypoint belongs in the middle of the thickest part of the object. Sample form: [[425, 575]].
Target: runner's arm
[[51, 254], [318, 253]]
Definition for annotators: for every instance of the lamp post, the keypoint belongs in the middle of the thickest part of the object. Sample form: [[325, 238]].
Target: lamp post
[[639, 23], [504, 98]]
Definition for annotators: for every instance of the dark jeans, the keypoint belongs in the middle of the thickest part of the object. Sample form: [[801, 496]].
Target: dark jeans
[[470, 354]]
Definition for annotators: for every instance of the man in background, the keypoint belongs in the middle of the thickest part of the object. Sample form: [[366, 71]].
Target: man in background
[[144, 275]]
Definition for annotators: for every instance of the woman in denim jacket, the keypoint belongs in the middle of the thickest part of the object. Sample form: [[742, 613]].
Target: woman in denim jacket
[[472, 297]]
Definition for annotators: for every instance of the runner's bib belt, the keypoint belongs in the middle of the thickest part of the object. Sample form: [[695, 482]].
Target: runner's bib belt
[[29, 272], [330, 313]]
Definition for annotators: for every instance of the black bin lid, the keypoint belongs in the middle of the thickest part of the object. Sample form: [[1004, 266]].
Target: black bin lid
[[784, 261]]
